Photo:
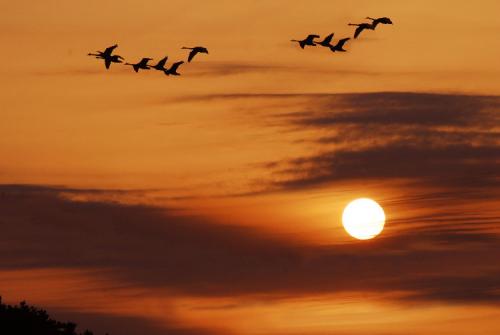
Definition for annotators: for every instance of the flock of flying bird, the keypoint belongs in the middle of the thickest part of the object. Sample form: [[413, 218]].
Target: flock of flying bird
[[327, 41], [108, 57]]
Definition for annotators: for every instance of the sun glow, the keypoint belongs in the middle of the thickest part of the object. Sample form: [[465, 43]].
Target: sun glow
[[363, 218]]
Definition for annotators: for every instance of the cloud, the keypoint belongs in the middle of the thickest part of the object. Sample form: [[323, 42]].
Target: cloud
[[233, 68], [453, 140], [214, 68], [447, 165], [194, 256]]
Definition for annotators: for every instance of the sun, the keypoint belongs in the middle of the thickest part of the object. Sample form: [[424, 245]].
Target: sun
[[363, 218]]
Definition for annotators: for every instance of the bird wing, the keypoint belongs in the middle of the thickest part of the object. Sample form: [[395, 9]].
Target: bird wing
[[358, 31], [192, 53], [110, 49], [341, 42], [175, 66], [328, 39], [162, 62], [310, 38], [107, 62], [144, 62]]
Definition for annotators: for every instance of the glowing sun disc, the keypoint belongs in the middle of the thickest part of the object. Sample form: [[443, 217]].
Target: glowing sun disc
[[363, 218]]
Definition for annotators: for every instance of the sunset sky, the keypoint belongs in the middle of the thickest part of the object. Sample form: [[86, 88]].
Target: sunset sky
[[211, 203]]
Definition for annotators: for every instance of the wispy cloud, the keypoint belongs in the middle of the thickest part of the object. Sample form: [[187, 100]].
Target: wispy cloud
[[194, 256], [233, 68], [431, 138]]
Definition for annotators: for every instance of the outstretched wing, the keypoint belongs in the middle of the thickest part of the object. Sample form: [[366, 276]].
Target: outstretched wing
[[162, 62], [310, 38], [192, 53], [109, 50], [328, 39], [358, 31], [341, 43], [107, 62], [144, 62], [175, 66]]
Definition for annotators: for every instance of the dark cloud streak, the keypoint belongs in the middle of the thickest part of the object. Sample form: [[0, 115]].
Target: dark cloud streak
[[452, 140], [190, 255]]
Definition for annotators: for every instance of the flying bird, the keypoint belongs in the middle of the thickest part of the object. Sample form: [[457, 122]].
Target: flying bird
[[108, 56], [361, 27], [173, 69], [194, 51], [309, 40], [106, 53], [382, 20], [143, 64], [161, 64], [112, 59], [327, 41], [340, 45]]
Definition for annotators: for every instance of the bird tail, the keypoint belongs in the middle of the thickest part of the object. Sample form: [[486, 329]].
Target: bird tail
[[186, 48], [352, 24]]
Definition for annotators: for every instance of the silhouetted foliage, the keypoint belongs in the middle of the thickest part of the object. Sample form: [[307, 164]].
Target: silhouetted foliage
[[24, 319]]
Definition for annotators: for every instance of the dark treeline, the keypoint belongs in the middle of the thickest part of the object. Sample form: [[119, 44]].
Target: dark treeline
[[24, 319]]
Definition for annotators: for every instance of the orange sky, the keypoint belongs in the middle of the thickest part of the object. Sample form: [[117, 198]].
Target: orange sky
[[248, 159]]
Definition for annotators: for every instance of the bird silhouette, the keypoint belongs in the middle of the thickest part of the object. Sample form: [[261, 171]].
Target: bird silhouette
[[107, 52], [112, 59], [108, 56], [327, 41], [173, 69], [382, 20], [340, 45], [309, 40], [161, 64], [194, 51], [361, 27], [143, 64]]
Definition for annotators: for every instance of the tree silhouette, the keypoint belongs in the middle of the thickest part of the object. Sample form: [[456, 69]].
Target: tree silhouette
[[24, 319]]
